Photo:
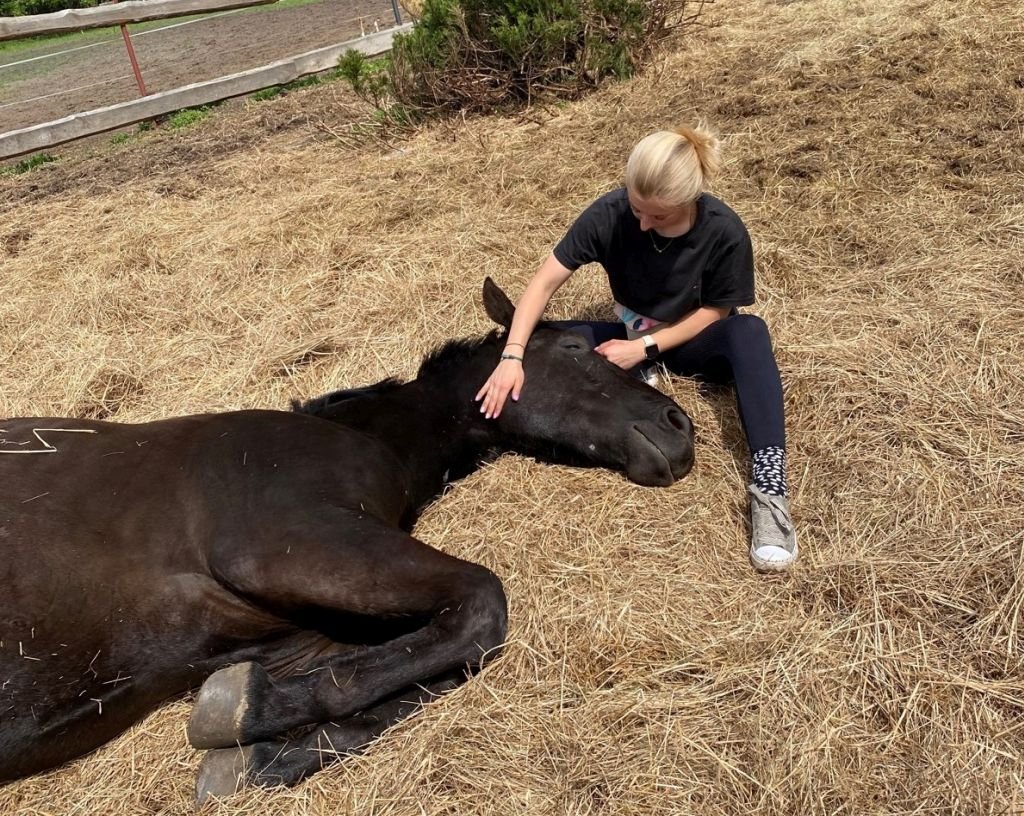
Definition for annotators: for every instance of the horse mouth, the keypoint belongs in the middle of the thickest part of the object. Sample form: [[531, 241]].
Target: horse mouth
[[648, 462]]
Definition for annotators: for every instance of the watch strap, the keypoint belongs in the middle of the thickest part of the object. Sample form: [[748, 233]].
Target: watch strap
[[651, 350]]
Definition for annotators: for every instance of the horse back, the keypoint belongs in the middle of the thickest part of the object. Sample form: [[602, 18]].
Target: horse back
[[94, 515], [156, 492]]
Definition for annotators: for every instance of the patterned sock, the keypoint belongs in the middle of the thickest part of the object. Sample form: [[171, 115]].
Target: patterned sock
[[770, 471]]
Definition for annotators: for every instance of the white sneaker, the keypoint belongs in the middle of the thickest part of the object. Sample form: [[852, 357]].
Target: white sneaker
[[649, 374], [773, 545]]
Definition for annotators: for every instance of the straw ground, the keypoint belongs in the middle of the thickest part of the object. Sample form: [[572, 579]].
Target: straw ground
[[875, 150]]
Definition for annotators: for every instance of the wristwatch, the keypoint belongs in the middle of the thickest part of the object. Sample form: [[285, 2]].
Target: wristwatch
[[651, 350]]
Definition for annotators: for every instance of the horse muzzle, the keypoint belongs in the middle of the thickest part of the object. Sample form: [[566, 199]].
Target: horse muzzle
[[660, 452]]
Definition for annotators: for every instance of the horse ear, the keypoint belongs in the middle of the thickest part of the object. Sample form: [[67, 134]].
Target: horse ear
[[499, 307]]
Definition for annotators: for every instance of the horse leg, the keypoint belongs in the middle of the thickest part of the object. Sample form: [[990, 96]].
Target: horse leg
[[374, 570], [225, 771]]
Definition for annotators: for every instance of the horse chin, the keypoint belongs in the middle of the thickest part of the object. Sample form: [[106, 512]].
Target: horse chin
[[647, 464]]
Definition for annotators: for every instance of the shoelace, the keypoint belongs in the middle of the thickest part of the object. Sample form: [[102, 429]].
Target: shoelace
[[778, 512]]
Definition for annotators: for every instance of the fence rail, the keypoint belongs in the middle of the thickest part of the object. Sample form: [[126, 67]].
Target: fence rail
[[39, 137], [133, 11]]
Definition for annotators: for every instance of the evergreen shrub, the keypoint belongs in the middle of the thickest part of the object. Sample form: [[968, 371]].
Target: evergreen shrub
[[483, 55]]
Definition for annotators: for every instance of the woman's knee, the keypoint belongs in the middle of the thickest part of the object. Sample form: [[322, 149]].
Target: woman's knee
[[746, 332]]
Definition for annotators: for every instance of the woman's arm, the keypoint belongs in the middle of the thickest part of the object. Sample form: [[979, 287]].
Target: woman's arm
[[508, 377], [628, 353]]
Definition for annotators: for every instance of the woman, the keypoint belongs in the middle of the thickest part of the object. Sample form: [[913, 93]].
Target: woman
[[680, 263]]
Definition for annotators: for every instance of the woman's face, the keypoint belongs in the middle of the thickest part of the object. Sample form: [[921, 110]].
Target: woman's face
[[665, 219]]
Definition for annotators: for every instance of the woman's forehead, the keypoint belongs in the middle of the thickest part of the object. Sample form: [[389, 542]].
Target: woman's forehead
[[650, 206]]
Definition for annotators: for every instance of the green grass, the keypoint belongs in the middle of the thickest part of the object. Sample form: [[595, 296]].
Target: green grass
[[284, 4], [268, 93], [14, 48], [31, 163], [188, 117], [126, 136], [303, 82]]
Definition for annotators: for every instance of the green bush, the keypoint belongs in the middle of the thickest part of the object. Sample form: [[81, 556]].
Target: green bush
[[369, 78], [481, 55]]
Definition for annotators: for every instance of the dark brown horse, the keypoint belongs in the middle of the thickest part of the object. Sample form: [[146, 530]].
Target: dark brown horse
[[269, 552]]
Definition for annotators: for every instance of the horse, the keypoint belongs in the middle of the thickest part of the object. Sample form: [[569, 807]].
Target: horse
[[265, 556]]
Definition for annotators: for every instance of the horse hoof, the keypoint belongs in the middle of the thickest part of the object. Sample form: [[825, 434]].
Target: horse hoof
[[219, 712], [222, 773]]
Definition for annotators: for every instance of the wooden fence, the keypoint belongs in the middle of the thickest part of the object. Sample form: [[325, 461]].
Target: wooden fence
[[49, 134], [133, 11]]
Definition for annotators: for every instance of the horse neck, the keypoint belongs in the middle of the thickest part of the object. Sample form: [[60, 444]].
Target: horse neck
[[433, 426]]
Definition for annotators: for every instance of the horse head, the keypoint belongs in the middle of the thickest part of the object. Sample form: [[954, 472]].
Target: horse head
[[577, 408]]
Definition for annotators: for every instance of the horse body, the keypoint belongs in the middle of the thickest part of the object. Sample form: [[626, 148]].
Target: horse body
[[141, 560], [110, 604]]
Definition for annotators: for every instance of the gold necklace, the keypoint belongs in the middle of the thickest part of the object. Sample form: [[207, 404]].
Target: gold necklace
[[691, 221], [654, 243]]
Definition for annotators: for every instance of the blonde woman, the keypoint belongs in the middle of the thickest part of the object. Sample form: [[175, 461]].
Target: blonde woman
[[679, 263]]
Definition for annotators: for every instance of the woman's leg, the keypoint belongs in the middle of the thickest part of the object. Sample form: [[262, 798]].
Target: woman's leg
[[596, 331], [739, 348]]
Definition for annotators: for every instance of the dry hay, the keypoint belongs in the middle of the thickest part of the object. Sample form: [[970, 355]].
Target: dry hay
[[876, 153]]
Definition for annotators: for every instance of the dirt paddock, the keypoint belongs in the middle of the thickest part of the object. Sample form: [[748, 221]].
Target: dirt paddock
[[97, 72], [876, 152]]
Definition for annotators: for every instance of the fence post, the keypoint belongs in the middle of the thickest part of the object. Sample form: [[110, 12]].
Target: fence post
[[398, 14], [134, 61]]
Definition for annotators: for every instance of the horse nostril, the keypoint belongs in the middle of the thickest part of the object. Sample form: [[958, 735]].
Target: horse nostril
[[678, 420]]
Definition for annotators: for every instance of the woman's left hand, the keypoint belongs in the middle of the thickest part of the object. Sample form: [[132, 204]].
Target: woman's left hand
[[624, 353]]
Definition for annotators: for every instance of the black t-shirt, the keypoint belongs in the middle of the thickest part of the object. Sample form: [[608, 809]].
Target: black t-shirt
[[711, 265]]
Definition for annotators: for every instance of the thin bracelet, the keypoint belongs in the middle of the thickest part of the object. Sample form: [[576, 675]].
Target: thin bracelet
[[515, 344], [511, 357]]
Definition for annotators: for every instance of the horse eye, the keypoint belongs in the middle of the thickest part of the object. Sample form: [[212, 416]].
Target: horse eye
[[572, 346]]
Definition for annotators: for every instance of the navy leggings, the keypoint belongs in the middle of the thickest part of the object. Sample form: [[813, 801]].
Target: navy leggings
[[735, 349]]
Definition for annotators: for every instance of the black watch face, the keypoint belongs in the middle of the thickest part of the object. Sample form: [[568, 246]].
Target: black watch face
[[652, 352]]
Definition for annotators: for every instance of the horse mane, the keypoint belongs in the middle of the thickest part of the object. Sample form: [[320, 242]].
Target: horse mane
[[318, 406], [448, 355], [454, 353]]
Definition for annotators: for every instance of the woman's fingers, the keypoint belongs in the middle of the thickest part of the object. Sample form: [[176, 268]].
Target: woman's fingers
[[498, 398], [517, 388], [496, 390], [622, 353], [493, 402]]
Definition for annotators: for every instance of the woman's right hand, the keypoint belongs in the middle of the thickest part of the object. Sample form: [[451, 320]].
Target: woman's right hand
[[507, 378]]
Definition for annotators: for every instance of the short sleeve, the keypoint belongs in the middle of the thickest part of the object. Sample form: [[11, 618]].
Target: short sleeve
[[586, 240], [728, 279]]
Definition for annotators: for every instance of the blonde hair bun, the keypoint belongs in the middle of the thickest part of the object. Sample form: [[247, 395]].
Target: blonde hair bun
[[674, 166]]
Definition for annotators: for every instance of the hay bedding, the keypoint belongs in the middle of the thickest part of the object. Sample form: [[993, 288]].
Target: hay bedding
[[875, 150]]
